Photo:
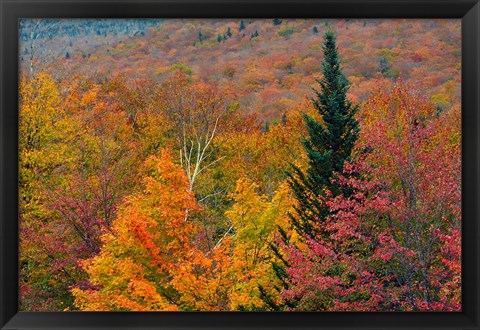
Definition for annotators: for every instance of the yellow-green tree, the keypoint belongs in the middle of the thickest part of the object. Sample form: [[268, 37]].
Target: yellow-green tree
[[255, 220], [45, 131]]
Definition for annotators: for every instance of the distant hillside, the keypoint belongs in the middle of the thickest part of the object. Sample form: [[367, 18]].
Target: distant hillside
[[270, 64], [58, 28], [54, 38]]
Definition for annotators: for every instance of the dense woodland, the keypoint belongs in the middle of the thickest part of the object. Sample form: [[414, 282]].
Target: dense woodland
[[247, 165]]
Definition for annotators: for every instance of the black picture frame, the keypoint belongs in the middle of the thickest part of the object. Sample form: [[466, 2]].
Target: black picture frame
[[12, 10]]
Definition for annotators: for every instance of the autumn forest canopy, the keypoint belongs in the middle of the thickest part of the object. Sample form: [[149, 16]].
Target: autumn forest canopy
[[240, 165]]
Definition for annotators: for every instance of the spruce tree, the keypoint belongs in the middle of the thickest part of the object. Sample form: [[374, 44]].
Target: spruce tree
[[242, 26], [328, 145]]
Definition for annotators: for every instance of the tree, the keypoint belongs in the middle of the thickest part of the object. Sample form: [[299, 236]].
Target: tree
[[328, 146], [277, 21], [336, 272], [255, 220], [384, 66], [148, 239], [79, 157], [45, 134], [242, 25], [199, 112], [229, 33], [391, 240], [315, 29], [416, 154]]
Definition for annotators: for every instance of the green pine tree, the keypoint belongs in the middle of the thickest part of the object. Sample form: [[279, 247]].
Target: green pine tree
[[328, 145], [242, 26], [284, 119]]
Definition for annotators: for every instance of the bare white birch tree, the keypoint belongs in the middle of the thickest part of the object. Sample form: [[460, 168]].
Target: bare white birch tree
[[200, 113]]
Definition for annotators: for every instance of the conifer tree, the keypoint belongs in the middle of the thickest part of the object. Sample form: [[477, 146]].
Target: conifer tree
[[242, 26], [328, 145]]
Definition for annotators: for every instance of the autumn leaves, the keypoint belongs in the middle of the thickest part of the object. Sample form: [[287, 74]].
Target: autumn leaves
[[142, 195]]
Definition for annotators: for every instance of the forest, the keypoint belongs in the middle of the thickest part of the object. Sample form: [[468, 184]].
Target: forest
[[240, 165]]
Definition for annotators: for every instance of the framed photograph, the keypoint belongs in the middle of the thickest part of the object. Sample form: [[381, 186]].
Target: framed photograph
[[239, 164]]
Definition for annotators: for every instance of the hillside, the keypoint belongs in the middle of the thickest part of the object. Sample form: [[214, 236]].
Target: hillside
[[269, 63]]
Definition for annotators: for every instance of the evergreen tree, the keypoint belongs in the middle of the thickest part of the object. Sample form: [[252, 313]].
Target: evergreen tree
[[384, 66], [229, 33], [328, 145], [315, 29], [266, 127], [242, 26], [277, 21], [219, 38]]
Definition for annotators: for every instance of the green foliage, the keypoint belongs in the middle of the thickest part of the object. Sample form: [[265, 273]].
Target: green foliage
[[242, 26], [181, 67], [286, 32], [328, 145]]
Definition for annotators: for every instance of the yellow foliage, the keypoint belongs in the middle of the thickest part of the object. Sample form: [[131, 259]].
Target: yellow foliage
[[256, 221]]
